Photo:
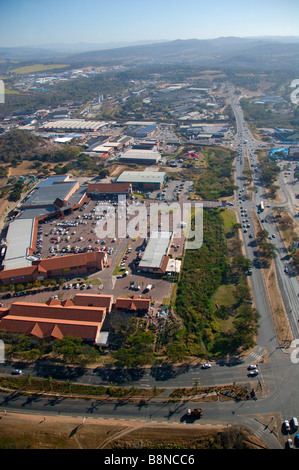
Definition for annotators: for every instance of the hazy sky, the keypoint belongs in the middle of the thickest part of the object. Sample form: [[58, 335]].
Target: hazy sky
[[34, 22]]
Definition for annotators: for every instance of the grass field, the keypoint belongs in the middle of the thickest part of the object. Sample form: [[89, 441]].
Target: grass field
[[11, 92], [38, 68], [225, 295], [229, 218]]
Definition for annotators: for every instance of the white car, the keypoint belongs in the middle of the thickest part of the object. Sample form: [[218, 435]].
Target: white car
[[206, 366], [252, 367], [253, 372], [286, 425]]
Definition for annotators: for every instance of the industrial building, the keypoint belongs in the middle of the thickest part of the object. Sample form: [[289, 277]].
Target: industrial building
[[52, 196], [143, 180], [74, 124], [143, 157], [20, 243], [105, 190], [293, 153], [155, 257]]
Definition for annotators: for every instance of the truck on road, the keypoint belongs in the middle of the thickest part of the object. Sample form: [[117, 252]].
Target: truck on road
[[261, 207]]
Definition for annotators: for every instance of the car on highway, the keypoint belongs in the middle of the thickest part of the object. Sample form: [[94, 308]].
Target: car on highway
[[252, 373], [16, 372], [206, 366]]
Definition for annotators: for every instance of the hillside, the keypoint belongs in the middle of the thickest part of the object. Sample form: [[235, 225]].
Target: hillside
[[266, 52], [223, 52]]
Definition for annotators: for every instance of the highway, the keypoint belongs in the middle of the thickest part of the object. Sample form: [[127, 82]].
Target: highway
[[288, 283]]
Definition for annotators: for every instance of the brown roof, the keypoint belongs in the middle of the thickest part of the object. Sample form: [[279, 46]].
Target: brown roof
[[164, 263], [46, 328], [94, 300], [69, 261], [40, 310], [132, 303], [59, 262], [53, 320], [108, 188], [17, 272]]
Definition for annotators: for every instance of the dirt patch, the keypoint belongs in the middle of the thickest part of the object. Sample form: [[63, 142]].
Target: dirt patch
[[195, 437], [21, 431]]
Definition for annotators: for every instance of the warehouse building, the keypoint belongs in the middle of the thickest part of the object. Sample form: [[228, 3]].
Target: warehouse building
[[293, 153], [143, 180], [105, 190], [57, 195], [20, 242], [155, 257], [140, 156], [47, 195], [74, 124]]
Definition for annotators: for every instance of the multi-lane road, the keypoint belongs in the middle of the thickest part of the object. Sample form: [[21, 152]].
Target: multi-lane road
[[277, 382]]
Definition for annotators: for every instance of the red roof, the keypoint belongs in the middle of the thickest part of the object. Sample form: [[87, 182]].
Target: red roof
[[56, 311], [69, 261], [132, 303], [53, 320], [44, 328], [57, 263], [94, 300], [108, 187]]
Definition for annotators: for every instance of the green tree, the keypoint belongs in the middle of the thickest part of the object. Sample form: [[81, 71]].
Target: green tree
[[68, 347], [138, 350], [176, 351]]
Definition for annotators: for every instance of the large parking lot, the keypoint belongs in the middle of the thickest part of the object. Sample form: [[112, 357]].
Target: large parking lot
[[80, 232], [173, 191]]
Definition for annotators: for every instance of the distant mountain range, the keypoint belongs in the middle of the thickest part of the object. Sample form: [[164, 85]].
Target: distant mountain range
[[253, 52]]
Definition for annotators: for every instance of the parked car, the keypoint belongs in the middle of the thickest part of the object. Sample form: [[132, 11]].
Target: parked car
[[286, 425]]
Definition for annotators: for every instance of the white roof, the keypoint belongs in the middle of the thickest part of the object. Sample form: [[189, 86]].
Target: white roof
[[157, 247], [19, 239], [73, 124], [173, 266], [141, 177], [141, 154]]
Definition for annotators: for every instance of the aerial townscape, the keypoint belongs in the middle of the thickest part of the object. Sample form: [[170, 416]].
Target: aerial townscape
[[149, 245]]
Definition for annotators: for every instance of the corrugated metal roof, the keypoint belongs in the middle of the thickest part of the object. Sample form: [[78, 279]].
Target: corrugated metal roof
[[19, 239], [157, 247], [156, 177], [46, 195]]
